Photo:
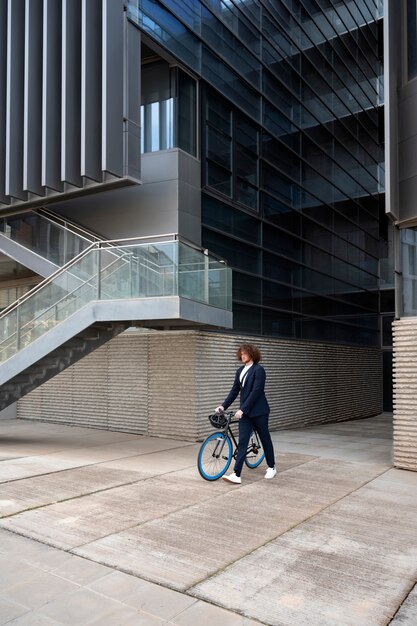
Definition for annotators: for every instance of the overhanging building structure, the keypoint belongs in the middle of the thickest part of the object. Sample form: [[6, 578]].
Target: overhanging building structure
[[252, 130]]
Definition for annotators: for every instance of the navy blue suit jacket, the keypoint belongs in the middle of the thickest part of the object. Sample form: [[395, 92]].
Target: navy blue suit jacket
[[253, 401]]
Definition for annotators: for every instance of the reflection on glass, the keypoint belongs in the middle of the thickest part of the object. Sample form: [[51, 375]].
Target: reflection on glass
[[169, 109]]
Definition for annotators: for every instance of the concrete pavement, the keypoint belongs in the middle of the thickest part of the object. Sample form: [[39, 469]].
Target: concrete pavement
[[112, 528]]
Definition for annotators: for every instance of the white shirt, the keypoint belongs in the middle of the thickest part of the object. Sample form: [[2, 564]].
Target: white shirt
[[242, 376]]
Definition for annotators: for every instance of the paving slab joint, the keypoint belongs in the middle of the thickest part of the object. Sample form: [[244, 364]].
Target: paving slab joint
[[393, 620]]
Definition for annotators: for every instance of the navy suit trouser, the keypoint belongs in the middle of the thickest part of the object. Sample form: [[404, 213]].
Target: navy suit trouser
[[246, 426]]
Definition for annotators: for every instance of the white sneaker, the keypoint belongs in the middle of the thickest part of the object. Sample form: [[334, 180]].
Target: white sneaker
[[232, 478], [270, 473]]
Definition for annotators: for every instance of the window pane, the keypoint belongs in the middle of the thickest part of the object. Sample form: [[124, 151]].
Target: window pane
[[246, 194], [219, 178], [164, 28], [219, 148], [247, 166], [187, 113], [226, 218], [219, 114]]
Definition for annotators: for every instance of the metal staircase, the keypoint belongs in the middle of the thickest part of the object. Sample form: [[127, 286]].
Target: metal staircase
[[59, 359], [42, 240], [159, 282]]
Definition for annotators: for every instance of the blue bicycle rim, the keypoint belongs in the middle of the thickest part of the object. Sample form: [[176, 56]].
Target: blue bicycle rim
[[226, 450]]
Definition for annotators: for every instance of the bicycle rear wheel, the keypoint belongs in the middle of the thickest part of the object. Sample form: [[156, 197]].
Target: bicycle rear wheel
[[214, 456], [255, 454]]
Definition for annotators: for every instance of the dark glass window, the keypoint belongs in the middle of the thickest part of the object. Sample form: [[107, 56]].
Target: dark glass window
[[292, 196], [189, 11], [167, 30], [247, 319], [281, 214], [240, 255], [277, 296], [186, 113], [219, 178], [246, 141], [280, 324], [280, 242], [223, 217], [230, 48], [219, 148], [246, 288], [230, 84], [279, 268], [218, 145], [246, 194]]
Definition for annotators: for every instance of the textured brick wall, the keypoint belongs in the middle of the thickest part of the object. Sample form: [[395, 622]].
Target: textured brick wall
[[167, 383], [405, 393]]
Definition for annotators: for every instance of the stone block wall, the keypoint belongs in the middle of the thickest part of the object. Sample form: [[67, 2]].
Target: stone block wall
[[167, 383], [405, 393]]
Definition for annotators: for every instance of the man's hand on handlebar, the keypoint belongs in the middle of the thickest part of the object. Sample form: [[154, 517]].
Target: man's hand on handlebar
[[219, 409]]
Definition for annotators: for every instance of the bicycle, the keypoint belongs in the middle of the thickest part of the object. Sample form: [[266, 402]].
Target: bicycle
[[217, 450]]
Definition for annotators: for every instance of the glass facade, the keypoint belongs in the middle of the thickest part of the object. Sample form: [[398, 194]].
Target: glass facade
[[290, 145]]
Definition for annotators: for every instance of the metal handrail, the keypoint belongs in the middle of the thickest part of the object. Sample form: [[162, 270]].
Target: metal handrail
[[47, 280], [64, 268], [67, 224]]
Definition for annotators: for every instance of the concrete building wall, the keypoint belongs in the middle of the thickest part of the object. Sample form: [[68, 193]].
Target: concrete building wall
[[405, 393], [167, 383]]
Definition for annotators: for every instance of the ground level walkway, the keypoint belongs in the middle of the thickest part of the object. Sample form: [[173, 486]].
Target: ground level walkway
[[109, 528]]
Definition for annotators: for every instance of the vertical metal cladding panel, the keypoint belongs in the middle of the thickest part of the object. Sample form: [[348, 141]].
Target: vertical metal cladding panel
[[112, 85], [71, 93], [91, 53], [32, 143], [14, 99], [131, 114], [3, 82], [405, 393], [51, 95]]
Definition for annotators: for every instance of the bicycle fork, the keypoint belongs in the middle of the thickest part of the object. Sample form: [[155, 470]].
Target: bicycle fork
[[220, 442]]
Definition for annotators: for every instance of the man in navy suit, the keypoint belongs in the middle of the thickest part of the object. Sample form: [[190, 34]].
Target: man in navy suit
[[254, 410]]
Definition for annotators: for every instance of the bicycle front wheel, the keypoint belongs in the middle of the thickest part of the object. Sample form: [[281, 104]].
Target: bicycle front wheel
[[215, 456], [255, 454]]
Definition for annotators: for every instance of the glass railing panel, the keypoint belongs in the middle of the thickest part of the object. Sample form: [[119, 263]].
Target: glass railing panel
[[220, 285], [115, 277], [51, 240], [193, 274], [105, 273], [52, 303], [154, 269]]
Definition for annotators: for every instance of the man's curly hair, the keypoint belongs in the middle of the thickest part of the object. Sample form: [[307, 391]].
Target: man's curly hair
[[252, 350]]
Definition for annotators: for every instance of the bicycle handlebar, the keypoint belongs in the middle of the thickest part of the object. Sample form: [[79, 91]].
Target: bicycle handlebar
[[229, 416]]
